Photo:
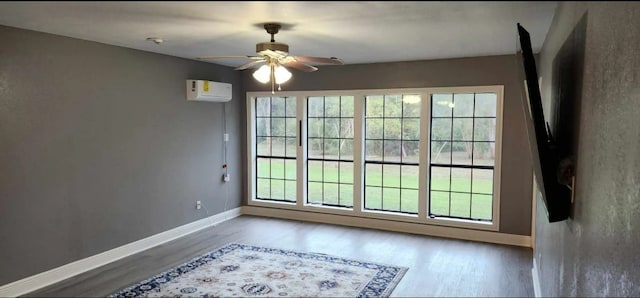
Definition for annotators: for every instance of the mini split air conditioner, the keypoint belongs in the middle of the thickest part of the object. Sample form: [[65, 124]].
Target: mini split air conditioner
[[199, 90]]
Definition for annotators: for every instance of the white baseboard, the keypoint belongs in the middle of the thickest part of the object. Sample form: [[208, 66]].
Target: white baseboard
[[58, 274], [536, 279], [390, 225]]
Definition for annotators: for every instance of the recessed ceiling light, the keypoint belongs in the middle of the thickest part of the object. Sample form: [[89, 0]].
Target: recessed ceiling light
[[156, 40]]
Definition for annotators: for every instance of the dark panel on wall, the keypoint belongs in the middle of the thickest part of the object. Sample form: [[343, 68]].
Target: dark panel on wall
[[99, 148], [595, 252], [515, 193]]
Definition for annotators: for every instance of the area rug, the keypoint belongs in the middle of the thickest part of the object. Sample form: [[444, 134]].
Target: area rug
[[240, 270]]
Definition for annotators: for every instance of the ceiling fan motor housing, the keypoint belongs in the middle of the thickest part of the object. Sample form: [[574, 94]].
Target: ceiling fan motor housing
[[273, 46]]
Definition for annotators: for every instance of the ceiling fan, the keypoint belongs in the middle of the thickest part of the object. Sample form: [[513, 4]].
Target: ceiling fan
[[273, 55]]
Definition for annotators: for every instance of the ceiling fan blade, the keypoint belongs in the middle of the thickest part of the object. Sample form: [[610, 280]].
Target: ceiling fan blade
[[228, 57], [250, 64], [301, 66], [331, 60]]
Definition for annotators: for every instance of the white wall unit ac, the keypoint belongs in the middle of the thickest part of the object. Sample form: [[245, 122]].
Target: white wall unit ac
[[199, 90]]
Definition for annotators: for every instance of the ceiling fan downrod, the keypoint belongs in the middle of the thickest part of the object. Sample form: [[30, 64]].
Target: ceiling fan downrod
[[272, 28]]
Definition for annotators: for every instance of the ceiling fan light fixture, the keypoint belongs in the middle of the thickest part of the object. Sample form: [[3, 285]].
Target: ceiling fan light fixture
[[263, 74], [282, 74]]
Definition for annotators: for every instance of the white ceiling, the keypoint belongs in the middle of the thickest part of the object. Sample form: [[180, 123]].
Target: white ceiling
[[356, 32]]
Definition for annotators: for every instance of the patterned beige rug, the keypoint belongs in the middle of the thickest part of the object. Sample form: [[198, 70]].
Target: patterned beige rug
[[240, 270]]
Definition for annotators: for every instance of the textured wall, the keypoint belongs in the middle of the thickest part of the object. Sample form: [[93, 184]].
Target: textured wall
[[595, 252], [515, 192], [99, 148]]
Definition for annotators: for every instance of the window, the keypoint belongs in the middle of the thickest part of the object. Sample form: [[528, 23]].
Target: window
[[463, 130], [276, 148], [392, 142], [330, 150], [421, 155]]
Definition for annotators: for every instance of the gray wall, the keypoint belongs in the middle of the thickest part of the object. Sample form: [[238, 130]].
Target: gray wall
[[99, 148], [515, 192], [595, 252]]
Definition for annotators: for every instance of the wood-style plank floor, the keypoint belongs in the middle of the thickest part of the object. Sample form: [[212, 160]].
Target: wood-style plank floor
[[437, 266]]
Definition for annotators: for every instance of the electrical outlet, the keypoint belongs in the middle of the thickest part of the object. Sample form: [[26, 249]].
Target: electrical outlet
[[225, 178], [198, 205]]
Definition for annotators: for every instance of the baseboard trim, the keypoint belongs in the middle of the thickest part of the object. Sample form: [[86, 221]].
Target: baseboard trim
[[41, 280], [535, 274], [390, 225]]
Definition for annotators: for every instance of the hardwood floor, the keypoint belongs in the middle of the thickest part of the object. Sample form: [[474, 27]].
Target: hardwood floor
[[437, 266]]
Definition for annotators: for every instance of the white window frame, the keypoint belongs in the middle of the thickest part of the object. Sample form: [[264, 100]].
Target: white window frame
[[358, 156]]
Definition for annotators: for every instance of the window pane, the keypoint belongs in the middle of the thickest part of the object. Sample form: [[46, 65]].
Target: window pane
[[315, 148], [277, 168], [373, 150], [391, 199], [277, 189], [346, 149], [314, 171], [264, 188], [461, 154], [331, 148], [290, 169], [391, 175], [332, 106], [482, 181], [481, 206], [330, 171], [392, 151], [331, 127], [460, 204], [330, 193], [411, 106], [314, 192], [373, 175], [290, 110], [292, 127], [346, 104], [441, 152], [439, 203], [409, 200], [442, 105], [277, 127], [441, 129], [316, 128], [374, 106], [393, 106], [346, 128], [290, 191], [484, 153], [484, 129], [392, 129], [277, 146], [263, 145], [315, 107], [263, 127], [263, 107], [373, 128], [411, 151], [346, 172], [409, 177], [373, 197], [411, 129], [440, 178], [277, 107], [346, 195], [264, 168], [463, 105], [462, 129], [461, 180], [291, 147], [485, 105]]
